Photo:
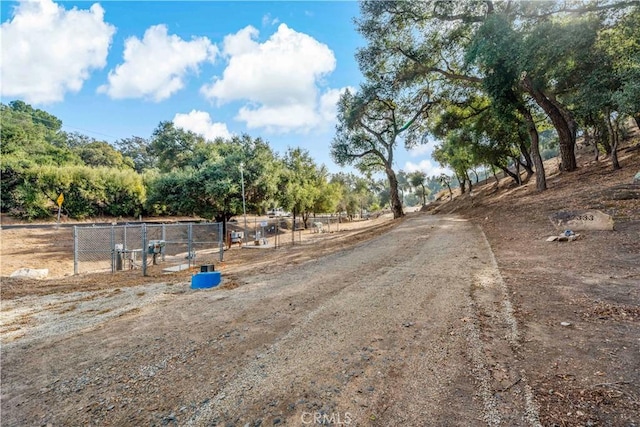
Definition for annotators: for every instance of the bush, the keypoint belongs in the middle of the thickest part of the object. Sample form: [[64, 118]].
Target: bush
[[87, 192]]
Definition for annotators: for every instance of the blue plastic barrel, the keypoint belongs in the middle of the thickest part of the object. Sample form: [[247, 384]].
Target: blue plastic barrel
[[205, 280]]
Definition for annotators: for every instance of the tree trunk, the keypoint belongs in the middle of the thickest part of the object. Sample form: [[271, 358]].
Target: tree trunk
[[613, 136], [527, 163], [636, 117], [517, 162], [527, 167], [592, 138], [495, 176], [541, 180], [605, 135], [222, 217], [463, 184], [614, 156], [564, 126], [513, 176], [396, 204], [449, 188], [293, 228]]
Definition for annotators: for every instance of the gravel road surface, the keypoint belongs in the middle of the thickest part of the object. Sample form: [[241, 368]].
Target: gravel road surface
[[411, 328]]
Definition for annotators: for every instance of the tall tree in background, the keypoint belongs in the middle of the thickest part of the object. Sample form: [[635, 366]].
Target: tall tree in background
[[137, 149], [496, 49], [372, 122], [174, 148], [359, 193], [403, 184], [261, 168], [101, 153], [418, 180], [298, 183], [211, 186]]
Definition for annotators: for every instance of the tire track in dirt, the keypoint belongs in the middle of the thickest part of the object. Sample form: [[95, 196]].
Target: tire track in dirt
[[417, 367], [405, 329], [28, 319]]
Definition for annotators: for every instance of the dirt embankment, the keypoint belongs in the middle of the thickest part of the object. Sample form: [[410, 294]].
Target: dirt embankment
[[588, 372]]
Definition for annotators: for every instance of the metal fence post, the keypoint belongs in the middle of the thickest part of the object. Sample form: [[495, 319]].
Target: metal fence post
[[164, 238], [189, 242], [112, 239], [144, 249], [75, 249], [221, 241]]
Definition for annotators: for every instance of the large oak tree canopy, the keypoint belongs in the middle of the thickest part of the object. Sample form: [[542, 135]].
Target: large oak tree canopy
[[373, 121], [532, 60]]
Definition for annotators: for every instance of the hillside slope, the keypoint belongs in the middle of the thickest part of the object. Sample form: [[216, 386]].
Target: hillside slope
[[587, 372]]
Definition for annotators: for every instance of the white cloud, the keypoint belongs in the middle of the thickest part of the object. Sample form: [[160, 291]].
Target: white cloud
[[268, 20], [279, 80], [301, 117], [241, 43], [156, 66], [421, 150], [200, 122], [48, 51], [329, 103], [427, 166]]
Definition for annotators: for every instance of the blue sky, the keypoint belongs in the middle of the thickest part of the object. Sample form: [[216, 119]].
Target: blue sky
[[115, 69]]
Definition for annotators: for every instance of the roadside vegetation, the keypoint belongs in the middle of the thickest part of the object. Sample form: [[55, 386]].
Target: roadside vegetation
[[173, 172], [499, 86]]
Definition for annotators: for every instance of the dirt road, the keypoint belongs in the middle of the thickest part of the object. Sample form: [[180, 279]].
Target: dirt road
[[411, 328]]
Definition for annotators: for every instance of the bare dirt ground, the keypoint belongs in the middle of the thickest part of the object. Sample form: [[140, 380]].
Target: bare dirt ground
[[398, 323], [587, 373], [386, 331]]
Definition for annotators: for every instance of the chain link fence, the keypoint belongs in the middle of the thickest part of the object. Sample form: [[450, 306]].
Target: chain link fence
[[174, 247], [276, 232]]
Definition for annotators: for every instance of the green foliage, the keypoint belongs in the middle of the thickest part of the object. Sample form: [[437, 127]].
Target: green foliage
[[174, 148], [358, 193], [100, 153], [299, 182], [175, 172], [328, 197], [211, 187], [88, 192], [434, 186], [36, 116], [418, 182], [575, 60], [137, 150], [26, 136]]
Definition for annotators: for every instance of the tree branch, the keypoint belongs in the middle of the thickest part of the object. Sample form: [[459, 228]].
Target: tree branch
[[376, 134], [448, 74], [586, 9], [464, 17], [412, 120]]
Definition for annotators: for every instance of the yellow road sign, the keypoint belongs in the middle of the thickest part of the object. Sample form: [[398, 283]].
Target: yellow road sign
[[60, 199]]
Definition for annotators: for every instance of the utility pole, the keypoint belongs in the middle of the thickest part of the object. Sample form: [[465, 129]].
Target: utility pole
[[244, 208]]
